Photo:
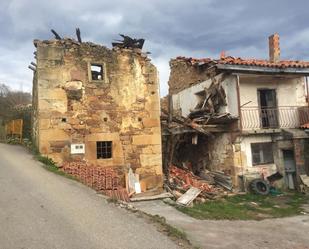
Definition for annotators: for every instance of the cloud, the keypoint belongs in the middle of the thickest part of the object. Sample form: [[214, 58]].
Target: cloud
[[197, 28]]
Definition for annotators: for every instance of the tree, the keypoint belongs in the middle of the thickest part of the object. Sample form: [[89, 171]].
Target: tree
[[9, 100], [11, 107]]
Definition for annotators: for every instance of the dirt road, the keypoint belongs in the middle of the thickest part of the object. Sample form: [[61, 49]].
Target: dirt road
[[41, 210]]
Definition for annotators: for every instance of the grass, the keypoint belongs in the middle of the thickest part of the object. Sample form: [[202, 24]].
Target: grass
[[48, 163], [51, 166], [249, 207], [170, 230]]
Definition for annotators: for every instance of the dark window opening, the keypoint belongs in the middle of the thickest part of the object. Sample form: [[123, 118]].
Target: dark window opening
[[104, 149], [96, 72], [262, 153], [64, 120], [268, 108]]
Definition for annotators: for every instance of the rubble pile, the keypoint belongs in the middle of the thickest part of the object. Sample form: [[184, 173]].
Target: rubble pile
[[186, 179], [181, 180], [101, 179]]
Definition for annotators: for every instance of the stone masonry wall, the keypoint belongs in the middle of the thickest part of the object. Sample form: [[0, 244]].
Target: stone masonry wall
[[183, 74], [123, 107]]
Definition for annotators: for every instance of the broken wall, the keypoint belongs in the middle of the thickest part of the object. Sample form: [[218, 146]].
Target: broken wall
[[183, 74], [187, 99], [76, 108]]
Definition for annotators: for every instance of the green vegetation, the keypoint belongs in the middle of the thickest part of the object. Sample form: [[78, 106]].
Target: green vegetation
[[51, 166], [48, 163], [170, 230], [249, 207]]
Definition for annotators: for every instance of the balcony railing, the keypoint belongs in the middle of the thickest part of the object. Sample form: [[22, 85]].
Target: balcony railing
[[280, 117]]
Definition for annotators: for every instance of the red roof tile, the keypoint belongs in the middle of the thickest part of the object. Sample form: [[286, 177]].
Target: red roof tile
[[305, 126], [248, 62]]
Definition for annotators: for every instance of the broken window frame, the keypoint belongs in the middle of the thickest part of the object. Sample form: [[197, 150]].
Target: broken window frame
[[262, 153], [104, 149], [103, 74]]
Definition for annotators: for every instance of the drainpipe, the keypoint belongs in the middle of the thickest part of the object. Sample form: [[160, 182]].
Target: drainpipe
[[306, 81], [238, 102]]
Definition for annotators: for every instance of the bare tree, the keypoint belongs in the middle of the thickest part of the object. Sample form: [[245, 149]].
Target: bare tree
[[10, 99]]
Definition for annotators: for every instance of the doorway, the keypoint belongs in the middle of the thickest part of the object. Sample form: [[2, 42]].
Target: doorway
[[289, 167], [268, 108]]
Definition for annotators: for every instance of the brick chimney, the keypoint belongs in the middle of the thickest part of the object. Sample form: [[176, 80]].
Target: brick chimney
[[274, 48]]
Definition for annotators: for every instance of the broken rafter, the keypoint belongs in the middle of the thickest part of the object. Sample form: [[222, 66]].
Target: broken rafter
[[78, 35], [129, 42], [58, 37], [32, 68]]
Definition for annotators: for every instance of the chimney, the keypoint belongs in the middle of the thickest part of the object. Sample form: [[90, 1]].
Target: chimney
[[222, 55], [274, 48]]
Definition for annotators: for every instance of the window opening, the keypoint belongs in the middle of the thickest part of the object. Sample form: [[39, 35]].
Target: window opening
[[104, 149]]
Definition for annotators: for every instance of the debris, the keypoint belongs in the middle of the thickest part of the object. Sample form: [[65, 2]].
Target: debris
[[119, 194], [305, 180], [104, 180], [181, 180], [58, 37], [169, 201], [129, 42], [153, 197], [143, 185], [78, 35], [132, 180], [137, 187], [222, 179], [187, 198], [186, 179], [32, 68], [274, 177], [260, 186]]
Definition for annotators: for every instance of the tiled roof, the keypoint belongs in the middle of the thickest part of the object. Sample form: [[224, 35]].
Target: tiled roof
[[229, 60], [305, 126]]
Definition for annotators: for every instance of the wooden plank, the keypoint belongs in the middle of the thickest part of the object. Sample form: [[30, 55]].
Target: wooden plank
[[187, 198], [153, 197], [305, 179]]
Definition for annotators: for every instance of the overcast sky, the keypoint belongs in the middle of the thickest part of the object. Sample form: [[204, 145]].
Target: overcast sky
[[193, 28]]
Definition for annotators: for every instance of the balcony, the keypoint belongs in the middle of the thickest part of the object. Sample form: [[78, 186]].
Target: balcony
[[274, 118]]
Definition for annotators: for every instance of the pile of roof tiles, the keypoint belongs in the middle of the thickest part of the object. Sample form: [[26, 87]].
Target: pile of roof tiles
[[185, 179], [101, 179], [181, 180]]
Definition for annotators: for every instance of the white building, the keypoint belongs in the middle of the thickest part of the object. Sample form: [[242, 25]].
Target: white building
[[268, 100]]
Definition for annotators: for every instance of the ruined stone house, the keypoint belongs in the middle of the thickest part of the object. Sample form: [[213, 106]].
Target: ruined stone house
[[242, 116], [97, 105]]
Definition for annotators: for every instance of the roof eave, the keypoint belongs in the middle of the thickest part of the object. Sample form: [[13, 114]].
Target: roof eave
[[263, 70]]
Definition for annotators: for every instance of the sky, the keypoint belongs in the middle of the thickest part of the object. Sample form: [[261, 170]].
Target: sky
[[192, 28]]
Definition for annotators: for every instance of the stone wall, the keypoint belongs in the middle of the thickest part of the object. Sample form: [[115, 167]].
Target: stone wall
[[183, 74], [122, 106]]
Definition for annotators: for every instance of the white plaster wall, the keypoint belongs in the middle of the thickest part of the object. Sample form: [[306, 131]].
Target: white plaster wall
[[290, 91], [186, 100], [245, 144], [230, 87]]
